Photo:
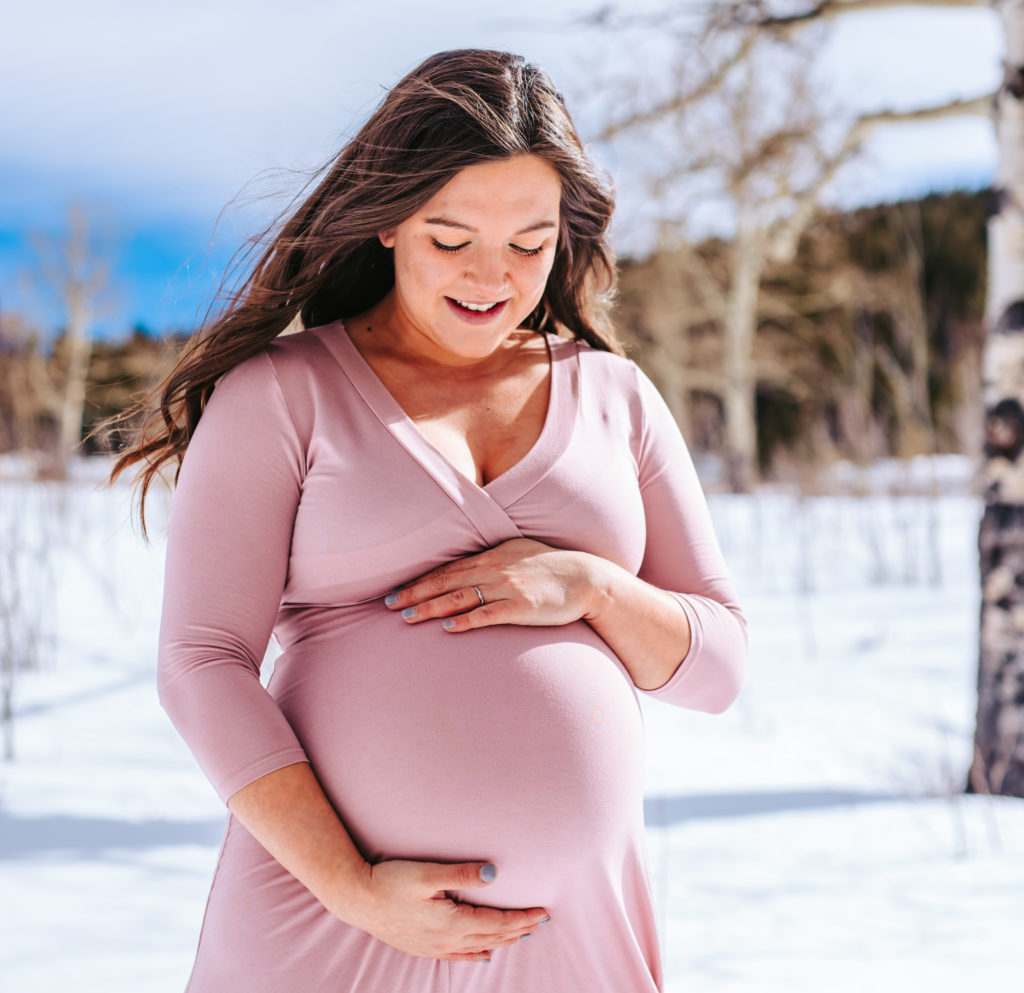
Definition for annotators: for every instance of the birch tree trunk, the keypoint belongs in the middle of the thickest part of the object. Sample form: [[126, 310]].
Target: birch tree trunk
[[998, 765], [77, 352], [73, 272], [78, 277], [739, 388]]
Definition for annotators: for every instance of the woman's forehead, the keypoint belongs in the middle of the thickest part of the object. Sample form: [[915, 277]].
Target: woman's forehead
[[526, 188]]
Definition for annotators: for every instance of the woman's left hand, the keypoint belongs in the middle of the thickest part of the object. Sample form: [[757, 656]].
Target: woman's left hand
[[521, 581]]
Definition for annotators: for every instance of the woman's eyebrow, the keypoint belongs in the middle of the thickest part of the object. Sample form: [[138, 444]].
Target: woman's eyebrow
[[448, 223]]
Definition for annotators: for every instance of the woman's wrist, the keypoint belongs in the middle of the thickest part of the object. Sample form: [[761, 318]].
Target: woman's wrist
[[645, 626], [351, 896], [602, 578]]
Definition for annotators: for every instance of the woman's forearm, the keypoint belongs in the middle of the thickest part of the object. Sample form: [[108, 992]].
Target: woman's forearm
[[646, 627], [288, 813]]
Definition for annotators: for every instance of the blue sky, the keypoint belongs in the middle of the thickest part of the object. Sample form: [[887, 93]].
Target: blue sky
[[155, 116]]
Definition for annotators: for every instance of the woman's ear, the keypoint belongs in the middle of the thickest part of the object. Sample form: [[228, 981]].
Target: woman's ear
[[387, 237]]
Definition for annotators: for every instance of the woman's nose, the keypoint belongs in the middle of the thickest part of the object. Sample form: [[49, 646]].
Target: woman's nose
[[487, 273]]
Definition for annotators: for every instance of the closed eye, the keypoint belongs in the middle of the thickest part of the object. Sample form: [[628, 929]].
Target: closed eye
[[442, 247], [451, 249]]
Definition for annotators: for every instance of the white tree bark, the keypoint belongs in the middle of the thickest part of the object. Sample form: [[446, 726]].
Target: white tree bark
[[739, 389], [78, 283], [77, 352], [72, 272], [998, 765]]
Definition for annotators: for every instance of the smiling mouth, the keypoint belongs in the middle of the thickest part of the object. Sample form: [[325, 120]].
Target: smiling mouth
[[476, 308]]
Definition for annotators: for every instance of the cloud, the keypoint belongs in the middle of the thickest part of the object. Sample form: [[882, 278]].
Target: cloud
[[205, 95]]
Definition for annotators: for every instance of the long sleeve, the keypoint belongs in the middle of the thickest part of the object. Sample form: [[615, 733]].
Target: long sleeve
[[682, 556], [227, 558]]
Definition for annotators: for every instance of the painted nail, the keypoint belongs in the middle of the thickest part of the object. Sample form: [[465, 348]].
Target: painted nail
[[485, 961], [409, 612], [488, 873], [392, 598], [543, 921], [523, 937], [448, 623]]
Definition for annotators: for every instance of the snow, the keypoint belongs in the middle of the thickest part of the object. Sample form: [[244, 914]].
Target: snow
[[812, 838]]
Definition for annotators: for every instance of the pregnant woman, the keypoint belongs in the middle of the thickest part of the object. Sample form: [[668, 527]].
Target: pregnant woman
[[474, 530]]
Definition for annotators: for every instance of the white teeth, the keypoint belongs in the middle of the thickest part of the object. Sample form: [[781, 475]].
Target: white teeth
[[476, 306]]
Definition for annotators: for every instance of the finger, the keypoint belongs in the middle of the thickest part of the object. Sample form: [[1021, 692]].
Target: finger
[[484, 923], [432, 584], [480, 568], [479, 617], [458, 601], [438, 876], [501, 941]]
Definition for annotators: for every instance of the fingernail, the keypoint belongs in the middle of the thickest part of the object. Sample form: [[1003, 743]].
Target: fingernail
[[392, 598], [523, 937], [409, 612], [488, 873], [485, 961], [448, 623], [543, 921]]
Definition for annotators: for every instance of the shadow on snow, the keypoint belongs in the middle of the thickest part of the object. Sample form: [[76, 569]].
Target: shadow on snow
[[27, 836], [661, 811], [22, 837]]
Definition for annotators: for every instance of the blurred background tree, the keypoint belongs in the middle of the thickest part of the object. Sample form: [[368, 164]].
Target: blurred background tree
[[731, 121]]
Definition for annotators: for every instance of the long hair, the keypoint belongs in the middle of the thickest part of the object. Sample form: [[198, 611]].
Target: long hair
[[325, 261]]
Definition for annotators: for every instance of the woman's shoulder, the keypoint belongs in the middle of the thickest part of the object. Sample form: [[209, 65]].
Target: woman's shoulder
[[616, 372], [285, 376], [294, 362], [616, 386], [293, 351], [305, 349]]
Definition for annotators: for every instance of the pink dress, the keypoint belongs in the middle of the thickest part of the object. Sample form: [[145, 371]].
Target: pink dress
[[305, 496]]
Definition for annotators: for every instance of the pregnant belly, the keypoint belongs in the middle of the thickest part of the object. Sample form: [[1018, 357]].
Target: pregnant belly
[[517, 745]]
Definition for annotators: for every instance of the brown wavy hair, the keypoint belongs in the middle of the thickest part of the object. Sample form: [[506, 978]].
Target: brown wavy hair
[[324, 260]]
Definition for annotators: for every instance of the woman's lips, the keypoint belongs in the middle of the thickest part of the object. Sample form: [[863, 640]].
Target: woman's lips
[[476, 316]]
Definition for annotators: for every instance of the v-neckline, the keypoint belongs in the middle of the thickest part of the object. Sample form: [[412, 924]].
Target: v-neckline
[[510, 485]]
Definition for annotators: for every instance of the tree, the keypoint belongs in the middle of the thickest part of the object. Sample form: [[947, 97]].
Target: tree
[[868, 341], [998, 765], [75, 274], [738, 121], [757, 150]]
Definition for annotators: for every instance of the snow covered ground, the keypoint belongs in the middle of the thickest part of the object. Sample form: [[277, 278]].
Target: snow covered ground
[[810, 839]]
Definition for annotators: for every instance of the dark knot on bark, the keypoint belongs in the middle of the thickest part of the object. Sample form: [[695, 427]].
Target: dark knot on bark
[[1004, 430], [1011, 319], [1013, 81]]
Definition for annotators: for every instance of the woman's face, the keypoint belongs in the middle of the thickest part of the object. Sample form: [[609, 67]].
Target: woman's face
[[473, 262]]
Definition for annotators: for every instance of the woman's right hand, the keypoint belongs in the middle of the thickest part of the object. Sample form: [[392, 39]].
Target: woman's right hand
[[406, 905], [403, 903]]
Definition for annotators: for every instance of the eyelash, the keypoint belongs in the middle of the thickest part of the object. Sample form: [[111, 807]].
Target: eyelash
[[452, 249]]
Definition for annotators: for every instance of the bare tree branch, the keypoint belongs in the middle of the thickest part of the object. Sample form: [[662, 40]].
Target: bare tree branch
[[786, 231], [983, 105], [680, 101], [752, 14], [709, 288]]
